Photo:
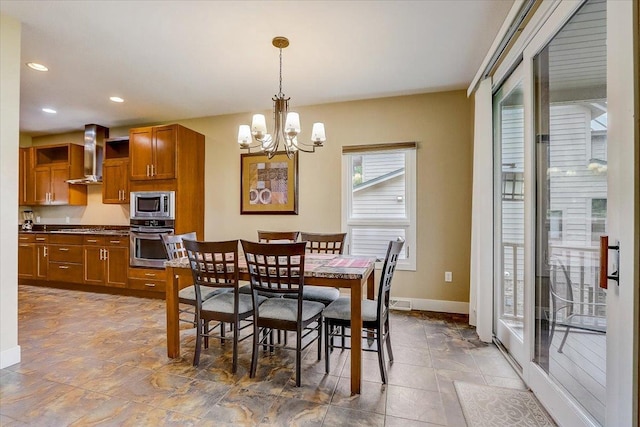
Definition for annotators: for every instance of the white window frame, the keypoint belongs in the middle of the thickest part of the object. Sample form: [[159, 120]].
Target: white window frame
[[409, 224]]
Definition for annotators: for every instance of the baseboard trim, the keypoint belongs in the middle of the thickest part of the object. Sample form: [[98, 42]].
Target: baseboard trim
[[456, 307], [10, 357]]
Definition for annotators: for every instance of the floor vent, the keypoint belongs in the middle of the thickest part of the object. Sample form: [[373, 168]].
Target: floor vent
[[400, 304]]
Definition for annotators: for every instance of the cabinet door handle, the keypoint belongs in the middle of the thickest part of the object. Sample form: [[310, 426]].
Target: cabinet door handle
[[115, 242], [52, 197], [44, 252], [63, 267], [23, 245], [153, 170], [63, 249], [100, 256], [147, 170], [40, 239], [23, 238], [150, 274], [151, 285], [91, 240], [106, 254]]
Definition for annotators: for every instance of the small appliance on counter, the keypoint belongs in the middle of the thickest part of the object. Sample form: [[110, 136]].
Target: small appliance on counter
[[27, 216]]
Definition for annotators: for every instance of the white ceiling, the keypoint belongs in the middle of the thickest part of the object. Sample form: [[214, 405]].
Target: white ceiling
[[172, 60]]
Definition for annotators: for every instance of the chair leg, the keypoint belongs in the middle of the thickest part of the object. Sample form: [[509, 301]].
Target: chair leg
[[388, 340], [254, 352], [298, 356], [383, 366], [199, 332], [320, 338], [327, 338], [564, 339], [235, 330], [342, 330]]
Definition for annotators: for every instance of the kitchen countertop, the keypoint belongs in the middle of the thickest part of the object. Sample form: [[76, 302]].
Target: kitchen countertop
[[66, 229]]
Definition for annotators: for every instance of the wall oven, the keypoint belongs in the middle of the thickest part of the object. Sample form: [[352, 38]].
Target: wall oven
[[146, 247], [153, 205]]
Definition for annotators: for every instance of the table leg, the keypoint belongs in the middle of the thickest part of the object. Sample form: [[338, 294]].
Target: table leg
[[356, 340], [173, 329]]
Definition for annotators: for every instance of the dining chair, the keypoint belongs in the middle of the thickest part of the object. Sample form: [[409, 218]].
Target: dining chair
[[375, 315], [319, 243], [324, 243], [215, 265], [574, 313], [279, 269], [278, 236], [174, 249]]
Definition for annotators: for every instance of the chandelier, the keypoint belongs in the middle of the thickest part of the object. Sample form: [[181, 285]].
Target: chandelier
[[286, 125]]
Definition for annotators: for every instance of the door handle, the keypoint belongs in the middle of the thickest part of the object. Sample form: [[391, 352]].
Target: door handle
[[604, 263], [44, 252], [64, 249], [153, 170], [147, 170], [106, 254], [63, 267]]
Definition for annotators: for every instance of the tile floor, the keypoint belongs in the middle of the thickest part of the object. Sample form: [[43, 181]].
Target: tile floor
[[95, 359]]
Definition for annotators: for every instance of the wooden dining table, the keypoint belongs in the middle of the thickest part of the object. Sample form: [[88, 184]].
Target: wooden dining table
[[339, 271]]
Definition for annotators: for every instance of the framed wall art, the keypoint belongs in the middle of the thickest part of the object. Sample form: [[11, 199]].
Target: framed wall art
[[269, 185]]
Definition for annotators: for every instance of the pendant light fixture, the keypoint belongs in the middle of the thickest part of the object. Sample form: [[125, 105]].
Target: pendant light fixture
[[286, 125]]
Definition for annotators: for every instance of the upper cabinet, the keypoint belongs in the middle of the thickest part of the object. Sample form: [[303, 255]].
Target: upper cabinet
[[25, 190], [153, 152], [115, 171], [44, 172]]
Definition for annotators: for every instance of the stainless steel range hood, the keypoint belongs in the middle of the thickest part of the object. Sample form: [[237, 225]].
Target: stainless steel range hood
[[94, 136]]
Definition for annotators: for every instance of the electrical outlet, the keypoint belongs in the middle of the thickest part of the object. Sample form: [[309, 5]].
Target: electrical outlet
[[448, 276]]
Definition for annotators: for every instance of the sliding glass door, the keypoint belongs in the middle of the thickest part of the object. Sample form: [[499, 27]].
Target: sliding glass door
[[571, 207], [509, 190]]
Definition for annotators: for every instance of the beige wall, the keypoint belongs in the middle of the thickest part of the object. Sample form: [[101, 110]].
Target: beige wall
[[441, 123], [9, 125]]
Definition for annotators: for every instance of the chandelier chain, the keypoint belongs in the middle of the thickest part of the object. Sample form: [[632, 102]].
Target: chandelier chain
[[280, 94]]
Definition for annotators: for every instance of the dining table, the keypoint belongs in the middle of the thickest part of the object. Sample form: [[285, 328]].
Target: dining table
[[338, 271]]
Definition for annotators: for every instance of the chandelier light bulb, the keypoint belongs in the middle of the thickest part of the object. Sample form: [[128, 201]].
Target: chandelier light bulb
[[292, 125], [244, 136], [317, 134]]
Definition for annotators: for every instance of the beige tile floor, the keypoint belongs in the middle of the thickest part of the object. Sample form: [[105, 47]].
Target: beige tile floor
[[95, 359]]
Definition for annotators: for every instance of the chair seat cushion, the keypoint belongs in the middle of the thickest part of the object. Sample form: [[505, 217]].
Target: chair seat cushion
[[340, 309], [188, 295], [287, 309], [223, 303], [323, 294], [247, 290]]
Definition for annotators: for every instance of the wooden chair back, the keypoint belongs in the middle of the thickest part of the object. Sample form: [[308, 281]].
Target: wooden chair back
[[388, 268], [324, 243], [275, 268], [271, 236], [213, 264], [173, 245]]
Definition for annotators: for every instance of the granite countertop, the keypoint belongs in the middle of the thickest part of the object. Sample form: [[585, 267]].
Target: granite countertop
[[75, 229]]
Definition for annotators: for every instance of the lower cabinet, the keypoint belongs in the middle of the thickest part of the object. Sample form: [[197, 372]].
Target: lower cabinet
[[93, 260], [106, 260], [66, 261], [26, 256], [147, 279]]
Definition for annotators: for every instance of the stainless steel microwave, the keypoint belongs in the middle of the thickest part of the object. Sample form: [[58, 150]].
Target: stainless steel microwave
[[153, 205]]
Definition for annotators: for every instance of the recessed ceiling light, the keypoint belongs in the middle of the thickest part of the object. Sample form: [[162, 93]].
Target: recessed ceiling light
[[116, 99], [36, 66], [49, 110]]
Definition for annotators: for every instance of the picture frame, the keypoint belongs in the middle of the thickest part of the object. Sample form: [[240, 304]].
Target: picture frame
[[268, 186]]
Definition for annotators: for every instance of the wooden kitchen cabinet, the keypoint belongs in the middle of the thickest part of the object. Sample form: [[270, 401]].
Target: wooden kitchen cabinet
[[66, 258], [152, 152], [32, 256], [42, 261], [53, 166], [115, 171], [25, 188], [147, 279], [106, 260], [115, 182], [26, 256]]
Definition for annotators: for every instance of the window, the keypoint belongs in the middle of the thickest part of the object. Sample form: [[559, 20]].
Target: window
[[598, 218], [555, 224], [379, 200], [512, 186]]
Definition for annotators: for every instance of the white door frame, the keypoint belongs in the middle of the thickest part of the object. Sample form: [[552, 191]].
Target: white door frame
[[622, 335]]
